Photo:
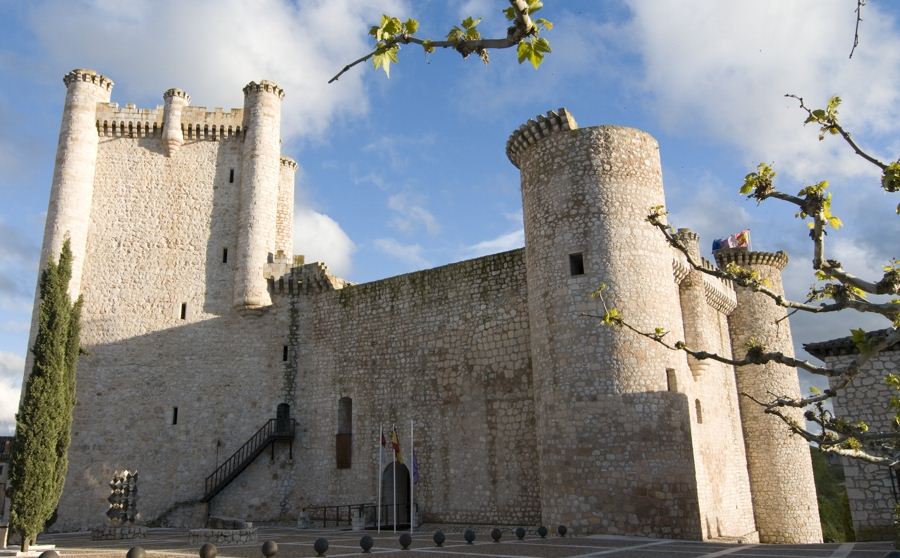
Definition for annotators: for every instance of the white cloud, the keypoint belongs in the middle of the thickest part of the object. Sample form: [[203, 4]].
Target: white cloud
[[410, 254], [212, 48], [502, 243], [410, 214], [11, 369], [320, 238], [723, 68]]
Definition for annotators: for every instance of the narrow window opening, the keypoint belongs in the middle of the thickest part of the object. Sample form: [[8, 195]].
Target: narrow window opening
[[284, 353], [699, 411], [184, 310], [343, 442], [576, 264], [224, 255], [174, 415], [231, 176], [671, 379]]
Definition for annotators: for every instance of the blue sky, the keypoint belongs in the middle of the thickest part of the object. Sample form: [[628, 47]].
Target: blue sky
[[409, 173]]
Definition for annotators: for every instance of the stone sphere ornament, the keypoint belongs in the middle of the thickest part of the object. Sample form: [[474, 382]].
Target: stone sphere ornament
[[320, 546], [405, 541], [496, 533], [562, 530], [366, 543], [269, 549], [55, 554], [542, 531], [520, 533], [439, 538], [208, 550], [133, 552], [469, 535]]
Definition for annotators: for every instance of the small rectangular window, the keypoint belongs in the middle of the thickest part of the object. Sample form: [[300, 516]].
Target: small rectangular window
[[284, 353], [576, 264], [184, 310], [699, 410], [671, 379], [224, 255], [231, 176], [174, 415]]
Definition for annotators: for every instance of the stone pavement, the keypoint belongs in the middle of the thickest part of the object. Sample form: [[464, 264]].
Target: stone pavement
[[292, 542]]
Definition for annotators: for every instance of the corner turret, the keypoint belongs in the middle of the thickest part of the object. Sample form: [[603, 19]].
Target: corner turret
[[173, 137], [260, 178], [781, 477]]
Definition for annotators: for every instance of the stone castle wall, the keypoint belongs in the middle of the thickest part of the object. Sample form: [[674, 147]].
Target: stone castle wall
[[446, 348], [869, 489]]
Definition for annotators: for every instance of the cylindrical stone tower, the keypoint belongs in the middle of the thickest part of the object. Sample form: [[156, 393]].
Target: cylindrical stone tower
[[173, 137], [695, 311], [71, 194], [611, 438], [260, 177], [284, 233], [781, 477]]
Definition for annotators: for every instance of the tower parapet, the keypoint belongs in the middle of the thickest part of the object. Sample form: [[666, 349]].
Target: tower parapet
[[175, 101], [781, 477], [586, 193], [260, 178]]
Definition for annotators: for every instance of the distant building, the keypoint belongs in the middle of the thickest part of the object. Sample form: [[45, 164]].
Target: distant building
[[207, 342]]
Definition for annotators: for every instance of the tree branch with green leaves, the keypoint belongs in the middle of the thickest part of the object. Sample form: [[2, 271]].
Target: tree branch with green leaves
[[523, 33]]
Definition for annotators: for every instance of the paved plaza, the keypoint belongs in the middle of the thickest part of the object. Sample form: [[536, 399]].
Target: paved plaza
[[294, 542]]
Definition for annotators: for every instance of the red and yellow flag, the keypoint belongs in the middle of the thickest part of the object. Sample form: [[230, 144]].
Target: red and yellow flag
[[395, 443]]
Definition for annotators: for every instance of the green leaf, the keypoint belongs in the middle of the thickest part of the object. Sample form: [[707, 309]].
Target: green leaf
[[814, 389], [455, 35], [545, 23], [428, 46], [542, 45], [890, 179], [384, 58], [411, 26], [534, 5], [472, 34], [510, 13], [524, 51], [859, 339], [470, 23]]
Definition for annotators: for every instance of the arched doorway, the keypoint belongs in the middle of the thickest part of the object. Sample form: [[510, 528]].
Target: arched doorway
[[387, 496]]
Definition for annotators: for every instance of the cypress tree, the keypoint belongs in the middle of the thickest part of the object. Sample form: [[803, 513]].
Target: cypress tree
[[38, 463]]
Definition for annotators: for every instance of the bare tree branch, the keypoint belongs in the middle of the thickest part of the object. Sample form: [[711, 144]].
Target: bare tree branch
[[858, 10]]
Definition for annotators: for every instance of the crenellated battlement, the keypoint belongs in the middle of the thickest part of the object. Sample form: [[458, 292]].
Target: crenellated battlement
[[197, 123], [536, 129], [175, 92], [264, 86], [719, 293], [739, 256], [288, 162], [305, 278], [90, 76]]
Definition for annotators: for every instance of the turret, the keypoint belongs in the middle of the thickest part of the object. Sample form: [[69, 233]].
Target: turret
[[173, 137], [781, 477], [695, 311], [71, 193], [284, 226], [602, 405], [260, 178]]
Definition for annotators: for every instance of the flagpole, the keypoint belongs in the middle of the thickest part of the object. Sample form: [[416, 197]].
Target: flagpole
[[412, 464], [378, 473], [393, 434]]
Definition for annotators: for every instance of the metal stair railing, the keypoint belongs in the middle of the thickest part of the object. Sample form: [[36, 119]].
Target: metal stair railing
[[273, 430]]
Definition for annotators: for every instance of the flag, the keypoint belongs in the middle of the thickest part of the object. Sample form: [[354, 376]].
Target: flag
[[395, 444], [415, 468], [737, 240]]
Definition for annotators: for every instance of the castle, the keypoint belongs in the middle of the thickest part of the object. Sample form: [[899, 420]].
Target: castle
[[241, 382]]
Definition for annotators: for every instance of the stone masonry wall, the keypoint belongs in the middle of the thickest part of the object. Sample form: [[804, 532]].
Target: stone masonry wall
[[447, 348], [869, 488], [159, 226]]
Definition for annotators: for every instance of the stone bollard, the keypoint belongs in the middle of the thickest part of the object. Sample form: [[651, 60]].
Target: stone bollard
[[496, 533], [562, 530], [439, 538], [542, 531], [208, 550], [366, 543], [53, 554], [520, 533], [321, 546], [135, 552], [269, 549], [405, 540], [469, 535]]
